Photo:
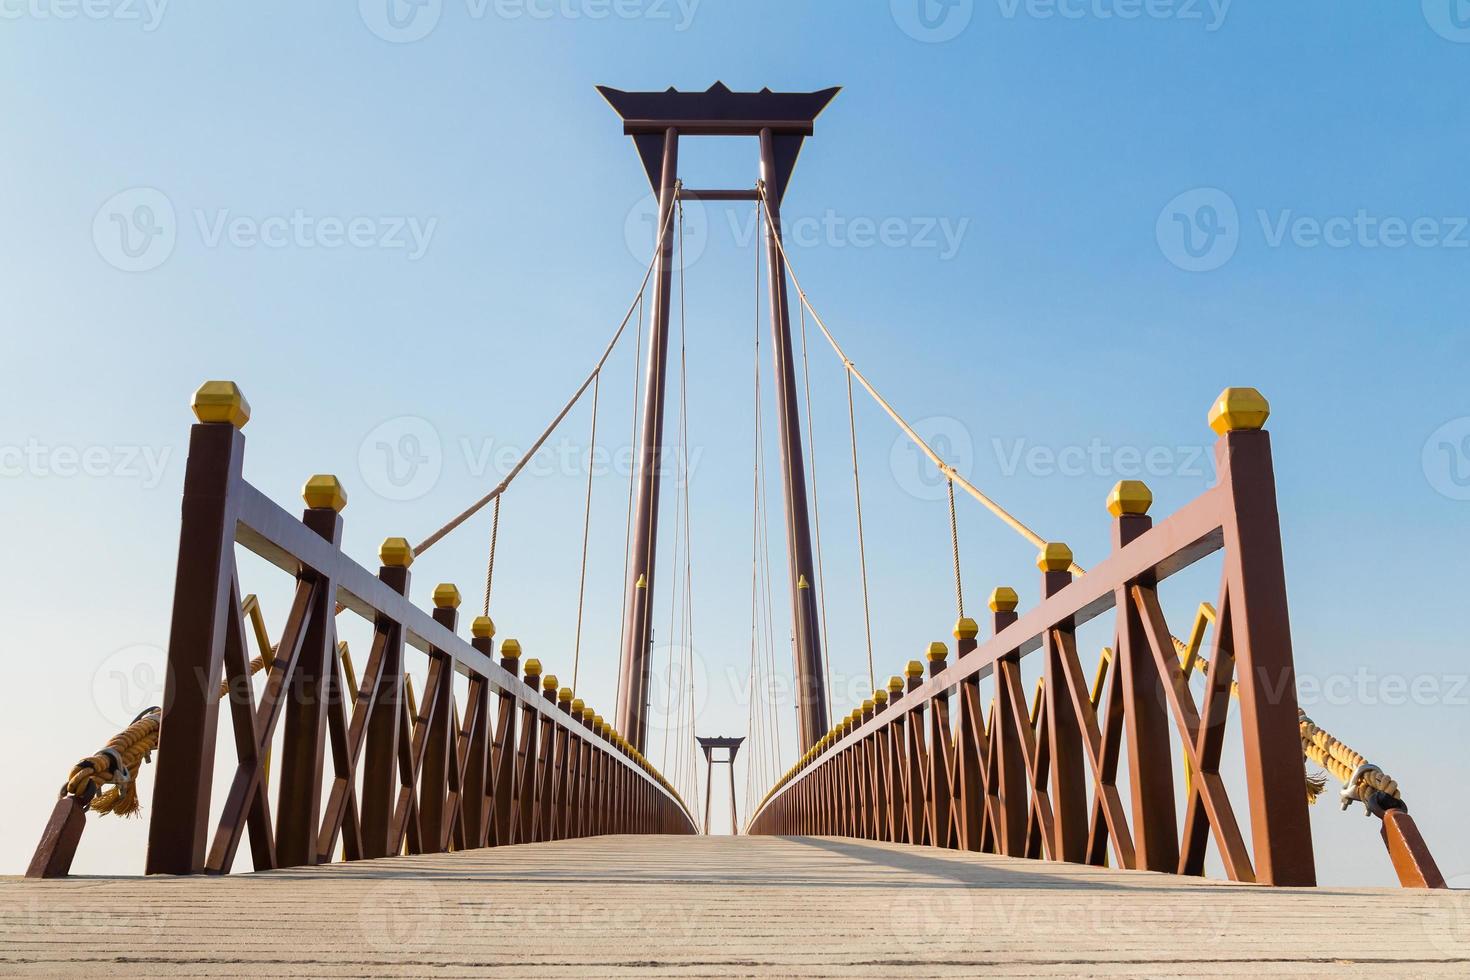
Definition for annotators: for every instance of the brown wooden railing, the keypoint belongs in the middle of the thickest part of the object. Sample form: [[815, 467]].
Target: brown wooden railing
[[401, 781], [1041, 779]]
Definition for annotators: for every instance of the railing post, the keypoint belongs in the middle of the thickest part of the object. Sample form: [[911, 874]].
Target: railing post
[[380, 762], [1256, 589], [527, 784], [1068, 773], [179, 828], [914, 761], [897, 782], [303, 747], [972, 731], [1008, 734], [479, 777], [1146, 719], [505, 749], [941, 746], [434, 775]]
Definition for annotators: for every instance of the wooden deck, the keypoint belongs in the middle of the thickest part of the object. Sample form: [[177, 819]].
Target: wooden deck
[[697, 907]]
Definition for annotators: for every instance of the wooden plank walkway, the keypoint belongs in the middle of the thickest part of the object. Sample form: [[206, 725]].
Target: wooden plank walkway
[[700, 907]]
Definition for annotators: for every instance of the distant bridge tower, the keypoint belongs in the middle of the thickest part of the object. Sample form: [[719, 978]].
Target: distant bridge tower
[[733, 746]]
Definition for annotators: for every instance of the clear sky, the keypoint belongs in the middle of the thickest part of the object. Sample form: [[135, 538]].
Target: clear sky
[[1051, 230]]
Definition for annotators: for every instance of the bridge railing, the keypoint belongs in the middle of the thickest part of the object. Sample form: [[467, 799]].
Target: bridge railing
[[424, 779], [1041, 778]]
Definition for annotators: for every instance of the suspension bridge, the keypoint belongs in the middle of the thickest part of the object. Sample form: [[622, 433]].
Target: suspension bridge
[[994, 805]]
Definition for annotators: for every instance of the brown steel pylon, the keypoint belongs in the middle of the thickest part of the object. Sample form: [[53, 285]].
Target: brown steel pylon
[[781, 121]]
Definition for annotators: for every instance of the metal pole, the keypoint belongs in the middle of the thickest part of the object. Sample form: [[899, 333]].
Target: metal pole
[[633, 685], [810, 683]]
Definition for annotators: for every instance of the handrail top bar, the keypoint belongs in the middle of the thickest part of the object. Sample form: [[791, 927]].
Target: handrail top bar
[[268, 530]]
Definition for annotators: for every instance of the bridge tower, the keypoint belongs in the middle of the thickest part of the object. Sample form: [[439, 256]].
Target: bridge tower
[[781, 121]]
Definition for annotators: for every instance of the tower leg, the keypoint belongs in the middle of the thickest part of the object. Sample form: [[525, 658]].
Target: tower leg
[[632, 719], [778, 155]]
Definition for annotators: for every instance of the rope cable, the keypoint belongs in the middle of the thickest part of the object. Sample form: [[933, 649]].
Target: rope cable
[[857, 495], [515, 471], [944, 467], [490, 563], [586, 529], [811, 445], [954, 537]]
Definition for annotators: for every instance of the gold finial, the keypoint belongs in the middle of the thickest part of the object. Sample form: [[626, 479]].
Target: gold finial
[[1237, 409], [533, 666], [565, 694], [446, 596], [914, 669], [802, 583], [511, 649], [396, 553], [895, 683], [880, 697], [937, 651], [578, 706], [221, 401], [483, 627], [1054, 557], [598, 724], [642, 582], [1004, 599], [867, 705], [588, 714], [550, 683], [966, 628], [1130, 497], [324, 492]]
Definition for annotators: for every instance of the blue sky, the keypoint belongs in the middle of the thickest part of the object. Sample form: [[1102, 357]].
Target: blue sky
[[1097, 215]]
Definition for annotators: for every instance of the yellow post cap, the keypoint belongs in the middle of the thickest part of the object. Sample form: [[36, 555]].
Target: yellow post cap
[[966, 628], [1130, 497], [221, 401], [395, 553], [914, 669], [880, 697], [1054, 557], [597, 722], [533, 666], [446, 596], [511, 649], [867, 705], [1004, 599], [895, 683], [324, 492], [550, 683], [937, 651], [578, 706], [565, 694], [1237, 409], [483, 627]]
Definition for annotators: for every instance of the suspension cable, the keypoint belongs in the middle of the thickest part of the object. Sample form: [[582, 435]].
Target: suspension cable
[[811, 445], [954, 537], [586, 529], [632, 480], [857, 494], [490, 563], [944, 467], [515, 471]]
